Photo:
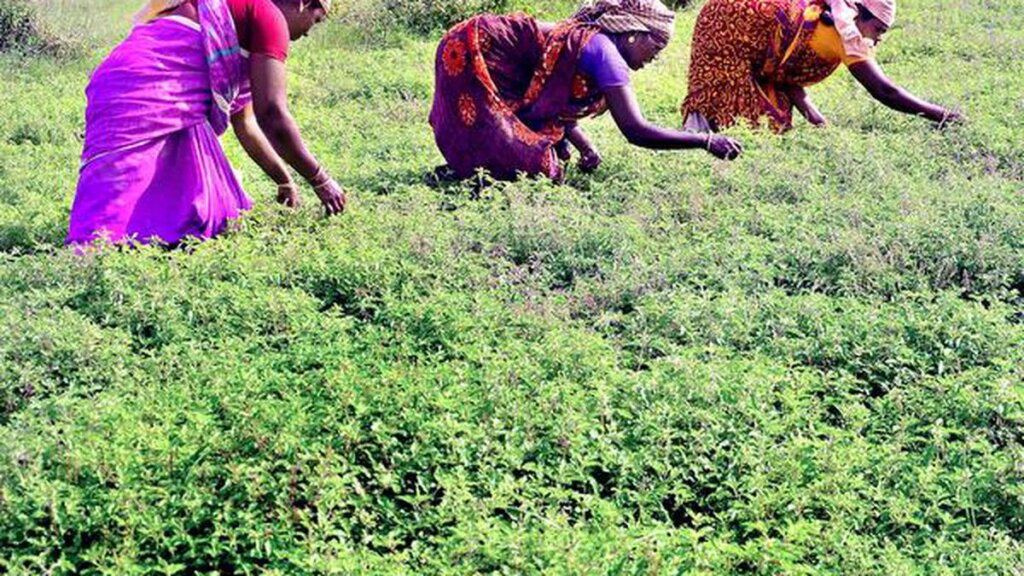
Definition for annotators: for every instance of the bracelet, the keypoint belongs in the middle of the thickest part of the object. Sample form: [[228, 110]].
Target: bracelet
[[327, 182], [707, 143], [320, 174]]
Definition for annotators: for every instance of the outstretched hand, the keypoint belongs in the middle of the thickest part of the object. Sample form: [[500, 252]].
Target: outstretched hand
[[723, 147], [951, 118], [590, 161], [288, 195], [332, 196]]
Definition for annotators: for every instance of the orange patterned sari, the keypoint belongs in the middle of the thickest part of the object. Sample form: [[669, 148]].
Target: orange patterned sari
[[747, 52]]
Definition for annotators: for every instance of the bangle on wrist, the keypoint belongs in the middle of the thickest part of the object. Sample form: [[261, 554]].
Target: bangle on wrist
[[319, 177], [707, 142], [327, 182]]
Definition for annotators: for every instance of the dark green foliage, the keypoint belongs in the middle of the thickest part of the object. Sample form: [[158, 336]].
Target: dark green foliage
[[427, 16], [22, 30]]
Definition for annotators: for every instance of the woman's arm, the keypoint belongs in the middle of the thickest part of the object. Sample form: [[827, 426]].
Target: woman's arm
[[798, 96], [870, 75], [256, 145], [590, 160], [631, 122], [270, 104]]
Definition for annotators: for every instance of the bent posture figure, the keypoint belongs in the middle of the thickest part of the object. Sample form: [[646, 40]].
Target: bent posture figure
[[509, 90], [752, 59], [152, 167]]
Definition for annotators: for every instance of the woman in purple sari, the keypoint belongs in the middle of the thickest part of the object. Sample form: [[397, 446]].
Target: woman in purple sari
[[509, 90], [153, 168]]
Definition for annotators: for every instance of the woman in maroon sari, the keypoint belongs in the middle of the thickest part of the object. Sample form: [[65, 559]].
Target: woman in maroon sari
[[509, 90]]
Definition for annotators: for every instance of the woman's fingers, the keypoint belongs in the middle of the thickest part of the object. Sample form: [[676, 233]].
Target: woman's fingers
[[332, 196], [725, 148], [335, 206], [737, 148], [952, 117], [590, 161]]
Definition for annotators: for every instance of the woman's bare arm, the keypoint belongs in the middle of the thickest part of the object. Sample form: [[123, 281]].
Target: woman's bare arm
[[870, 75], [798, 96], [631, 122], [256, 145], [270, 104]]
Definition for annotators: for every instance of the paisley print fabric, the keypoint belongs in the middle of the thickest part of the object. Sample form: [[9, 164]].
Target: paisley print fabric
[[747, 52]]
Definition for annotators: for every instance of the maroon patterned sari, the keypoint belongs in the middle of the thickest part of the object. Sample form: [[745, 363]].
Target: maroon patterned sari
[[504, 92]]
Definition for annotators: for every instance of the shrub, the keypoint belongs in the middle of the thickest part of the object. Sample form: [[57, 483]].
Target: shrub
[[432, 16], [22, 30]]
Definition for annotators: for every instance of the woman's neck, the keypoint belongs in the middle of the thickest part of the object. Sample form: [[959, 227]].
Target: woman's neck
[[187, 10]]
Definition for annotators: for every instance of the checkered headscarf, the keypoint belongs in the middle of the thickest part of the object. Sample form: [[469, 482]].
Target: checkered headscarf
[[621, 16]]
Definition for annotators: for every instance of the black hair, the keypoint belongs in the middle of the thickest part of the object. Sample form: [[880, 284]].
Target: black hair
[[863, 14]]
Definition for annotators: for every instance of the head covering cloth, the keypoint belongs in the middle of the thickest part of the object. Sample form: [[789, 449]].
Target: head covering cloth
[[844, 12], [623, 16], [153, 8], [884, 10]]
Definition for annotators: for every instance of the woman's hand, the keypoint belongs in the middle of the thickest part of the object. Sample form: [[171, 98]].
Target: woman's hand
[[798, 96], [951, 118], [590, 161], [330, 193], [723, 147], [331, 196], [288, 195]]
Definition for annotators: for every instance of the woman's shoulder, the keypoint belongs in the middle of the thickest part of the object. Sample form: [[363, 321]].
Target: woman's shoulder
[[601, 48], [601, 42], [262, 26], [602, 60], [828, 43]]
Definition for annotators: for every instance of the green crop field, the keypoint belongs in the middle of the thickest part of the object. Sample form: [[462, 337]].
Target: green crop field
[[809, 361]]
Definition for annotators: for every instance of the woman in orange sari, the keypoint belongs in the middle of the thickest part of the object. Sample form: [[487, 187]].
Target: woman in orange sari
[[753, 59]]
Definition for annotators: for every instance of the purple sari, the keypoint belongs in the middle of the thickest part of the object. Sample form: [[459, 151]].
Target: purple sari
[[152, 167]]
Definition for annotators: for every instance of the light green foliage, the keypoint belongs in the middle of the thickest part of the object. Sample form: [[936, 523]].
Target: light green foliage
[[805, 362]]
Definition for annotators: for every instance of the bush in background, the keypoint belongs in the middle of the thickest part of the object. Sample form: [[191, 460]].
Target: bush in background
[[21, 29], [432, 16]]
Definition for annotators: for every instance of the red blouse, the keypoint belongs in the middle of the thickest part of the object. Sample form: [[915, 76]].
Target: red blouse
[[261, 27]]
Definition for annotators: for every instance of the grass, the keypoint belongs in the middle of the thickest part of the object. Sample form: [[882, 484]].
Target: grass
[[805, 362]]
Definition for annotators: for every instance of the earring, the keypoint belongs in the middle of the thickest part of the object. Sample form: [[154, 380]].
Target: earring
[[631, 39]]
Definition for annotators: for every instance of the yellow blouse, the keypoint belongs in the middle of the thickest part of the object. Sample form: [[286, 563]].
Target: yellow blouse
[[827, 42]]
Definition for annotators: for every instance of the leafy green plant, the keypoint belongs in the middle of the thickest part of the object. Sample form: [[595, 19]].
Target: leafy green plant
[[805, 362]]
